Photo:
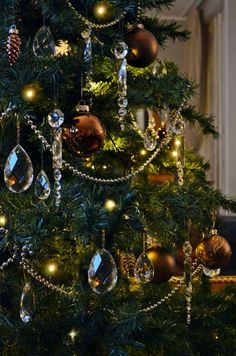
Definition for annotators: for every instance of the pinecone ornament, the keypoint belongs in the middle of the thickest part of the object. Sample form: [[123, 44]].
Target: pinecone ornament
[[127, 263], [13, 45]]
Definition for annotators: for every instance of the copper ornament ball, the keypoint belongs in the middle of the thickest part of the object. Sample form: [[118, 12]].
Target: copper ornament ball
[[143, 47], [163, 262], [86, 136], [214, 252]]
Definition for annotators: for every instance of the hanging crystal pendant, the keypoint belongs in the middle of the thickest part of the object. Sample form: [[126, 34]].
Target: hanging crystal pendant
[[57, 164], [18, 171], [187, 249], [149, 141], [144, 270], [87, 55], [121, 51], [102, 273], [43, 44], [27, 304], [42, 187], [56, 118], [57, 149], [122, 78], [211, 272]]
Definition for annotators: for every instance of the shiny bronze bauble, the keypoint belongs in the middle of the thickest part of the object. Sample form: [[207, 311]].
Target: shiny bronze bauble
[[143, 47], [86, 136], [163, 263], [214, 252]]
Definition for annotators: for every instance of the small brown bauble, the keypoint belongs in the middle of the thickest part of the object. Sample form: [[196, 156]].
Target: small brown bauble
[[86, 136], [143, 47], [214, 252], [163, 263]]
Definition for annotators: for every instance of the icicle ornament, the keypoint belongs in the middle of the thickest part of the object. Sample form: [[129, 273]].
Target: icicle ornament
[[27, 304], [121, 51]]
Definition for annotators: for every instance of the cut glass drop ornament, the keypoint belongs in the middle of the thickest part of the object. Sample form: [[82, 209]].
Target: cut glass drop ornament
[[121, 50], [57, 149], [43, 44], [56, 118], [144, 270], [42, 187], [102, 273], [27, 304], [18, 171], [149, 141], [122, 78]]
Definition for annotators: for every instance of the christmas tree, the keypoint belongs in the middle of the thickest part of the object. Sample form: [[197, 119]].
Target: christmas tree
[[98, 215]]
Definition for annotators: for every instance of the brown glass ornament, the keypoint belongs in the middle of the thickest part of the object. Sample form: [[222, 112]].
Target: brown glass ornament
[[86, 136], [163, 262], [214, 252], [13, 45], [143, 47]]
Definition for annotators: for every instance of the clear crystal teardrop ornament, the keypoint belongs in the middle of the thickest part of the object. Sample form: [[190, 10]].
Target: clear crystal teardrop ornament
[[42, 187], [56, 118], [122, 78], [43, 44], [27, 304], [18, 171], [144, 270], [102, 273], [149, 141], [121, 50]]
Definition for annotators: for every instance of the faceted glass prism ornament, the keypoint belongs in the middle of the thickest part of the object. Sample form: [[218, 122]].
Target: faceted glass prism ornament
[[144, 269], [178, 126], [121, 50], [122, 102], [122, 78], [27, 304], [42, 187], [56, 118], [18, 171], [86, 33], [211, 272], [57, 150], [102, 273], [149, 141], [43, 44]]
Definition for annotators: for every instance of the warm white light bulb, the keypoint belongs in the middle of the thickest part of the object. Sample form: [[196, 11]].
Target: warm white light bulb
[[29, 93], [3, 220], [73, 333], [110, 205], [143, 152], [101, 10], [52, 268], [177, 142]]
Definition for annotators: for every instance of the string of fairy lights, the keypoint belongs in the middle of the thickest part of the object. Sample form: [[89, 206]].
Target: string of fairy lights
[[21, 254]]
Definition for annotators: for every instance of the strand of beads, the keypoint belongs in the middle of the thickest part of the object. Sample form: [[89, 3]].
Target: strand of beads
[[166, 140], [10, 260], [176, 123], [24, 264], [180, 283], [92, 24]]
